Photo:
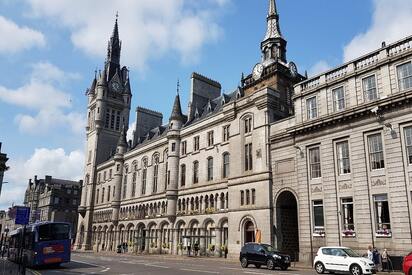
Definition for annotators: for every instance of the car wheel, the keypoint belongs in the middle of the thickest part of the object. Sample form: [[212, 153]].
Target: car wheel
[[270, 264], [320, 268], [257, 265], [284, 267], [243, 262], [355, 270]]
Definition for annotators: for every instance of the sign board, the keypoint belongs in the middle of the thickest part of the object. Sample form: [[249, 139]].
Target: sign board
[[22, 215]]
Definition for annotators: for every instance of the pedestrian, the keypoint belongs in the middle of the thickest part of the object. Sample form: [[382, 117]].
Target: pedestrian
[[188, 248], [226, 251], [196, 248], [376, 258], [370, 253], [385, 260]]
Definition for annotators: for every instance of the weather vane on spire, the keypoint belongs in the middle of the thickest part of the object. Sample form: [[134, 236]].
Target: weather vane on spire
[[117, 15], [178, 86]]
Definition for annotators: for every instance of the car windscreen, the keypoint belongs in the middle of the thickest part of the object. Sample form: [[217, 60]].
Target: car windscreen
[[351, 253], [269, 248], [54, 231]]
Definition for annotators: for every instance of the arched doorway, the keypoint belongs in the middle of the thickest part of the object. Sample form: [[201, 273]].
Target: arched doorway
[[287, 233], [249, 229]]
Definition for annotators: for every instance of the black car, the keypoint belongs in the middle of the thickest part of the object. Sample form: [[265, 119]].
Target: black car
[[263, 254]]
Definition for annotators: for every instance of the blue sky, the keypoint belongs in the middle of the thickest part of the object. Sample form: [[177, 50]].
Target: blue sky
[[50, 49]]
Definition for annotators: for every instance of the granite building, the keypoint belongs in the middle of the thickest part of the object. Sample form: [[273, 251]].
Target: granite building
[[54, 200], [292, 160]]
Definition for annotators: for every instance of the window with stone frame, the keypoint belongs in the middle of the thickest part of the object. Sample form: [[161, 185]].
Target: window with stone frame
[[125, 183], [343, 158], [112, 118], [348, 220], [134, 178], [318, 217], [226, 133], [155, 173], [108, 193], [242, 197], [173, 146], [110, 174], [104, 175], [107, 119], [314, 163], [247, 124], [196, 172], [226, 163], [369, 88], [118, 121], [408, 143], [196, 144], [98, 178], [183, 175], [405, 76], [114, 191], [382, 215], [253, 199], [312, 108], [103, 192], [184, 147], [376, 158], [144, 176], [248, 157], [210, 138], [97, 196], [209, 168], [338, 95], [247, 197]]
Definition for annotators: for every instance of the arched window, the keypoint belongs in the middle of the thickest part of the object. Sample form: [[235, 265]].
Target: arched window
[[253, 196], [242, 197], [97, 196], [247, 124], [210, 169], [144, 176], [126, 170], [182, 175], [134, 184], [247, 197], [155, 172], [195, 172], [108, 193], [226, 159], [103, 194]]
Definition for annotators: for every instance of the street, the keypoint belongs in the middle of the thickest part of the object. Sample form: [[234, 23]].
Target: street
[[90, 263]]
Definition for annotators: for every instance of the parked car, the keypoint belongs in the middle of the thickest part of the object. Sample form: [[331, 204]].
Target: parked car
[[342, 260], [407, 264], [263, 254]]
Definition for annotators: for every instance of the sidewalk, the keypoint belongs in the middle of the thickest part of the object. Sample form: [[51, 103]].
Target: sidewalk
[[9, 268]]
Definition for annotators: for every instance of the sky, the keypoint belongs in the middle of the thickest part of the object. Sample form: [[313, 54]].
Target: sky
[[50, 50]]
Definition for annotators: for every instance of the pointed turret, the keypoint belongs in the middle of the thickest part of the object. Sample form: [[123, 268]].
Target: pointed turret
[[102, 79], [273, 45], [113, 51], [122, 139], [177, 110]]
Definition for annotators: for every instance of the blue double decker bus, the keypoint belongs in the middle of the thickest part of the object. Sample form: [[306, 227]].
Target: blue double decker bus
[[44, 243]]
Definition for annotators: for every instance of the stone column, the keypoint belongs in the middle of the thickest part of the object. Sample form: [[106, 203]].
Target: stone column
[[218, 232], [147, 241], [159, 243], [174, 235], [202, 241]]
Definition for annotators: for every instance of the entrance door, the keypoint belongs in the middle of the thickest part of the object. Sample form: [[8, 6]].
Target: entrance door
[[249, 232], [287, 233]]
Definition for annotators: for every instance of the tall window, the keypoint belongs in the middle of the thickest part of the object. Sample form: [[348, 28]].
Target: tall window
[[247, 124], [134, 184], [369, 88], [383, 221], [314, 162], [118, 121], [182, 175], [155, 173], [242, 197], [347, 216], [195, 172], [98, 178], [210, 169], [318, 219], [248, 157], [376, 152], [144, 176], [247, 197], [184, 147], [342, 152], [110, 174], [405, 76], [97, 197], [108, 193], [103, 194], [112, 117], [196, 143], [125, 183], [226, 133], [104, 176], [210, 138], [107, 119], [253, 196], [408, 141], [226, 159], [312, 108], [173, 146], [338, 99]]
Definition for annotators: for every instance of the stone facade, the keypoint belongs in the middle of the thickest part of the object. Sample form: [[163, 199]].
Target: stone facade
[[3, 167], [53, 200], [345, 156]]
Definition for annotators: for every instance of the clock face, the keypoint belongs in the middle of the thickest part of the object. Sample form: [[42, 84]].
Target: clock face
[[116, 86], [257, 71], [293, 69]]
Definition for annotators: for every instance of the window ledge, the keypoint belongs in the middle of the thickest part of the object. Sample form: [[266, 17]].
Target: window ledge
[[316, 181], [345, 177], [195, 152], [224, 143], [210, 147], [378, 172]]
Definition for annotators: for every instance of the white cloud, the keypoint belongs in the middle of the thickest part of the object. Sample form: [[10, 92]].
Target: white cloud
[[43, 95], [54, 162], [148, 29], [15, 38], [130, 131], [318, 68], [392, 20]]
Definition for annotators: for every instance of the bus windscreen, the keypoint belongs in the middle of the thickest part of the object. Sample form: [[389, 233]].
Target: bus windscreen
[[53, 232]]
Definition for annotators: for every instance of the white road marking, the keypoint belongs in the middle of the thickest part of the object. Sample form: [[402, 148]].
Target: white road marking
[[80, 262], [159, 266], [233, 268], [257, 273], [201, 271], [105, 270]]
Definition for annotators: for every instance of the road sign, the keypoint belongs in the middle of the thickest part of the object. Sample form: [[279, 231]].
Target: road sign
[[22, 215]]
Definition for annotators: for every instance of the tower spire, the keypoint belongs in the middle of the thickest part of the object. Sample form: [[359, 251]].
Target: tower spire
[[273, 28], [113, 50]]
